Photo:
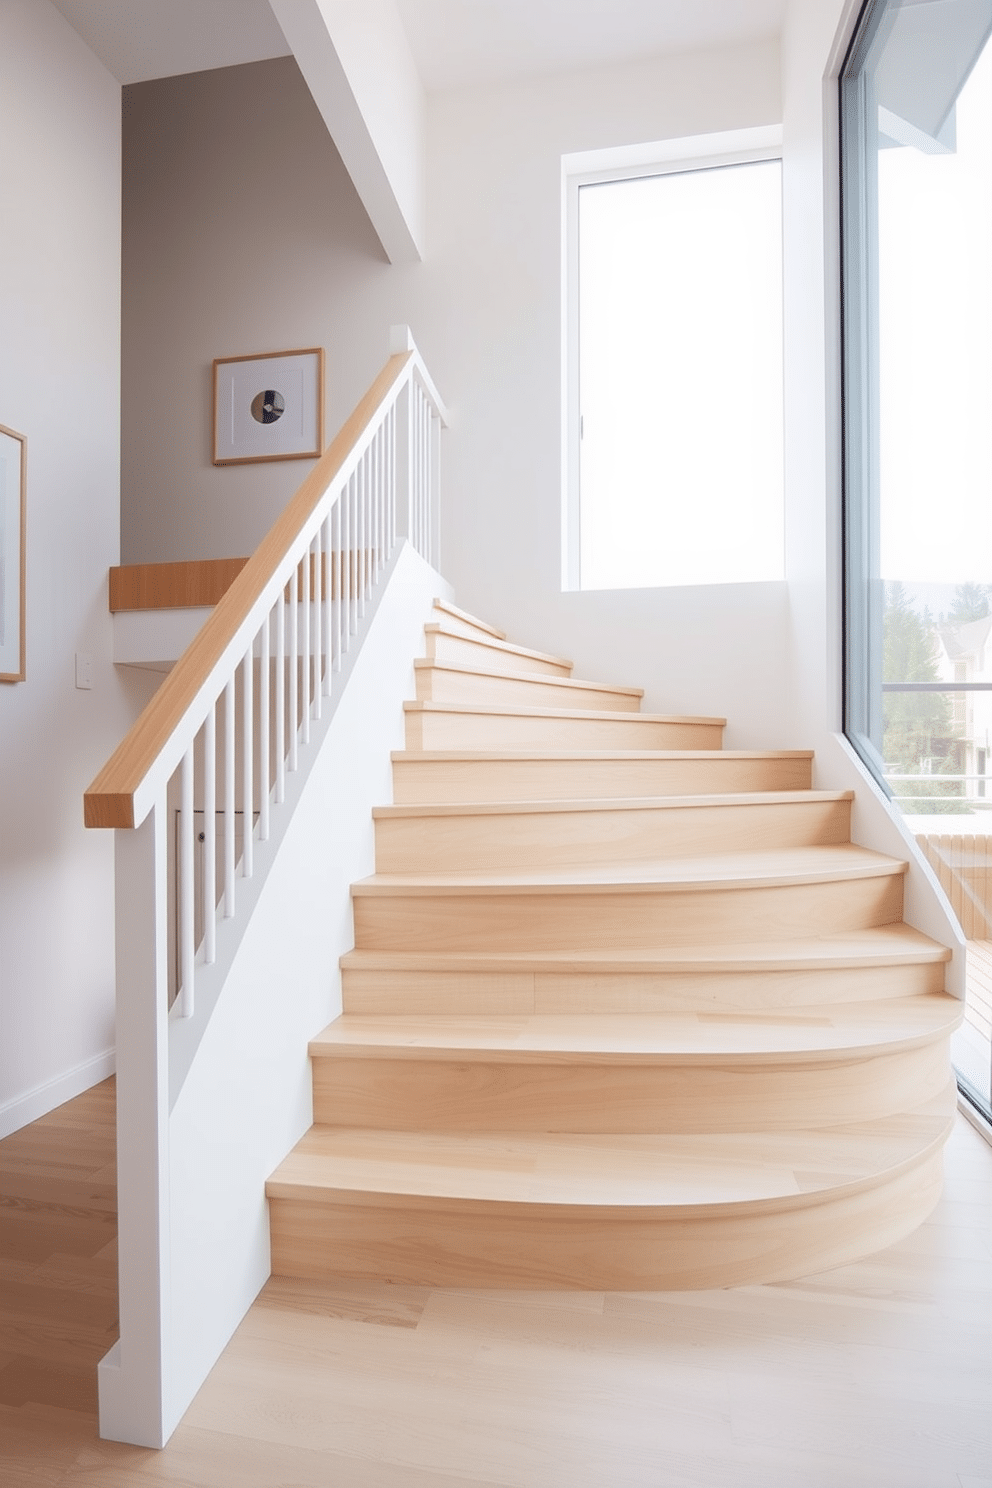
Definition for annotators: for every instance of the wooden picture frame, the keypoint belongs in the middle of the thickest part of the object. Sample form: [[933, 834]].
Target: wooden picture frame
[[269, 406], [13, 521]]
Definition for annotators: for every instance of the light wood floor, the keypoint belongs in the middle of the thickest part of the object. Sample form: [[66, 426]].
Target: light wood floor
[[876, 1375], [978, 998]]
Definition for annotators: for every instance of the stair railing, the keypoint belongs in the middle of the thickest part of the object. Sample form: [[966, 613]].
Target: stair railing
[[232, 733], [286, 623]]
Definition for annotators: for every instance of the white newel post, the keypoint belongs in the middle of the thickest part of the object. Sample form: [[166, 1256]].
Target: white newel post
[[134, 1376]]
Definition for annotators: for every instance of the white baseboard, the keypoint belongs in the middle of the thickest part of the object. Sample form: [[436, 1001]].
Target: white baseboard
[[976, 1117], [24, 1109]]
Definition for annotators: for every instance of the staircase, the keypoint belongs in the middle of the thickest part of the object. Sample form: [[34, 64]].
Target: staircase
[[625, 1011]]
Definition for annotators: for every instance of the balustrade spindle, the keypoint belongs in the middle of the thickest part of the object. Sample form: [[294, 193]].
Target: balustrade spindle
[[229, 799], [336, 516], [280, 608], [247, 763], [294, 671], [305, 657], [209, 885], [187, 941], [327, 576], [318, 614], [361, 498], [264, 725]]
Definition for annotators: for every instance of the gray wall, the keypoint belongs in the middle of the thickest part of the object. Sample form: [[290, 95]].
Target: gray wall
[[242, 233]]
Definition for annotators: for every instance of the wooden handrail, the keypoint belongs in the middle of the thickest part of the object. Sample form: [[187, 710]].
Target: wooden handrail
[[109, 801]]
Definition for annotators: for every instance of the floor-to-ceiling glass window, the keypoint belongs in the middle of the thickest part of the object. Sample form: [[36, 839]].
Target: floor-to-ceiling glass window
[[916, 124]]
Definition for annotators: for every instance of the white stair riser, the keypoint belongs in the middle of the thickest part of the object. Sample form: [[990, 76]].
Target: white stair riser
[[460, 992], [481, 843], [438, 685], [463, 651], [557, 1247], [612, 918], [479, 1095], [439, 730], [436, 782]]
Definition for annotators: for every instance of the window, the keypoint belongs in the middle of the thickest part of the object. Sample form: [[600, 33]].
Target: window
[[916, 151], [678, 335]]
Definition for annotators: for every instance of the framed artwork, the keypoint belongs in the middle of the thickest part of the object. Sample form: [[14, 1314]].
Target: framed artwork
[[13, 509], [269, 407]]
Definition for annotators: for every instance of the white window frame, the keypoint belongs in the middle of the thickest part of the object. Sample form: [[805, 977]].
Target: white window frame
[[623, 163]]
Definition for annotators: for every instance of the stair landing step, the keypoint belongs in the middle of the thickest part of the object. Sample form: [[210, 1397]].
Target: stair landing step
[[681, 1173], [887, 945], [498, 650], [473, 756], [522, 710], [608, 803], [451, 609], [711, 1037], [780, 866]]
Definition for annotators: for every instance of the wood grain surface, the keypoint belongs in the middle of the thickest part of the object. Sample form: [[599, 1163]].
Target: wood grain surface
[[875, 1374]]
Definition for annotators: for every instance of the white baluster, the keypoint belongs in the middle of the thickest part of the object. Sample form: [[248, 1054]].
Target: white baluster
[[425, 478], [391, 482], [346, 500], [318, 616], [361, 496], [229, 768], [327, 578], [294, 672], [248, 762], [187, 943], [305, 672], [264, 724], [338, 518], [280, 660], [209, 887]]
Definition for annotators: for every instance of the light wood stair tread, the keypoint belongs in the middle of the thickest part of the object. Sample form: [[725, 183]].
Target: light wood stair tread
[[759, 1037], [503, 646], [897, 944], [607, 803], [473, 756], [522, 710], [449, 609], [543, 679], [789, 865], [681, 1173]]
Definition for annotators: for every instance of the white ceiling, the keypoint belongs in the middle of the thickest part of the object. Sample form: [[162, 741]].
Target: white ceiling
[[460, 43], [455, 43]]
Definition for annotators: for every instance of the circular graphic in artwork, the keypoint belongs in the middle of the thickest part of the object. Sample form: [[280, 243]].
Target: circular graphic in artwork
[[268, 406]]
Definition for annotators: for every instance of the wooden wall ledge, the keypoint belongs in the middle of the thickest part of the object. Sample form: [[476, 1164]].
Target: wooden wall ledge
[[172, 586]]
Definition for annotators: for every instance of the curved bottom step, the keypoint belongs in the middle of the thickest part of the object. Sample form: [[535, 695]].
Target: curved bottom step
[[603, 1213]]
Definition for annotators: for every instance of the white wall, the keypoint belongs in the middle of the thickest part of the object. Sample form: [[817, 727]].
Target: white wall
[[243, 233], [59, 385], [495, 234]]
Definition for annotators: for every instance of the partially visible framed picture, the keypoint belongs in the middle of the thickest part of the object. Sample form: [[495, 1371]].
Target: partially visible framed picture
[[269, 407], [13, 512]]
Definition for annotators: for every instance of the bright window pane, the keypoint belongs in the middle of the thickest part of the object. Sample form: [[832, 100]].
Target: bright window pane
[[680, 371]]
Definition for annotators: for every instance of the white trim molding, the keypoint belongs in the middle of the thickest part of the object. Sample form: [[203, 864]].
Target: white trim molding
[[23, 1109]]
